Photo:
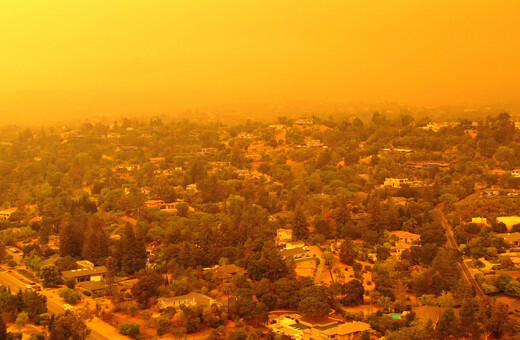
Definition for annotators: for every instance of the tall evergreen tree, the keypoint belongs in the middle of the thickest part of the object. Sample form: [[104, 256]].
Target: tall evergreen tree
[[133, 251], [95, 247], [300, 227]]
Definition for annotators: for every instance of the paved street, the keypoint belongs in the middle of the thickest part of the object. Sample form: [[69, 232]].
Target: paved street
[[463, 266], [99, 330]]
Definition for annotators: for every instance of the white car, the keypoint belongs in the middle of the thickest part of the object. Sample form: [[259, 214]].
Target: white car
[[67, 307]]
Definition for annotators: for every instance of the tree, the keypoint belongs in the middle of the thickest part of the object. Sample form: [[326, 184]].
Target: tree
[[300, 227], [347, 253], [329, 259], [133, 251], [21, 319], [50, 275], [133, 330], [448, 325], [468, 318], [3, 329], [493, 317], [182, 209], [34, 303], [95, 247], [68, 326], [147, 285], [70, 295], [316, 301], [354, 293], [71, 235]]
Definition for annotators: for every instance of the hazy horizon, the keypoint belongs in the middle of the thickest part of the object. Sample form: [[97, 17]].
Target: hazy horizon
[[82, 59]]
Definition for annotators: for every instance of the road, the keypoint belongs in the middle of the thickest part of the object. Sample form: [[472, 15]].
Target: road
[[452, 244], [98, 329]]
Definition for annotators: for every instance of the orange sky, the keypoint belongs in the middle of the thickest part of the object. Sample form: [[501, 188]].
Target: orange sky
[[64, 58]]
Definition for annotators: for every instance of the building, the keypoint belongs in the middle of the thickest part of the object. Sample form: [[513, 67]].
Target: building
[[227, 272], [509, 221], [190, 299], [294, 244], [397, 250], [397, 151], [337, 331], [154, 203], [304, 121], [283, 236], [511, 238], [405, 237], [6, 213], [482, 221], [293, 252], [128, 167], [96, 288], [84, 264], [207, 151], [85, 274], [396, 182]]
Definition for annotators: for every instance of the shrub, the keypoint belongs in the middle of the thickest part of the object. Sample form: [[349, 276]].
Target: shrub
[[70, 282], [133, 330], [70, 295]]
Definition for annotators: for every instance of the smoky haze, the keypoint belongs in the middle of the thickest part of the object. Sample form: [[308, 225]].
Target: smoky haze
[[82, 58]]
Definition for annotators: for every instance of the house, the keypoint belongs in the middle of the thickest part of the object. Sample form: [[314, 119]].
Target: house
[[509, 221], [127, 167], [405, 237], [396, 182], [428, 312], [154, 203], [84, 264], [227, 272], [397, 151], [397, 250], [6, 213], [337, 331], [491, 192], [511, 238], [293, 252], [482, 221], [207, 151], [283, 236], [96, 288], [294, 244], [245, 135], [85, 274], [304, 121], [190, 299]]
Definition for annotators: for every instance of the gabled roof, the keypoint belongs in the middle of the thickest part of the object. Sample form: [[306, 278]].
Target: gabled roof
[[199, 299], [405, 234]]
